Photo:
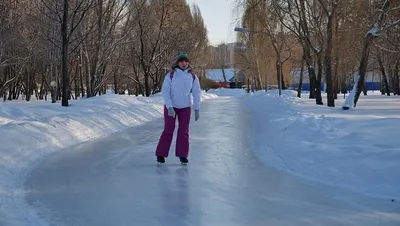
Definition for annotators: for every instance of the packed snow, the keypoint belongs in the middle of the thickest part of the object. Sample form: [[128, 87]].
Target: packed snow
[[358, 149]]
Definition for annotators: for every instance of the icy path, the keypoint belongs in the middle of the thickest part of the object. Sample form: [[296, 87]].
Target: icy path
[[115, 181]]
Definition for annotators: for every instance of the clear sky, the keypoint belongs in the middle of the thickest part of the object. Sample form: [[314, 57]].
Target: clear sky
[[220, 19]]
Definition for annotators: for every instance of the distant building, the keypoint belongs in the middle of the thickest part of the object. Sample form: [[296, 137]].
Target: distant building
[[372, 80], [295, 79], [224, 53], [234, 79], [217, 75]]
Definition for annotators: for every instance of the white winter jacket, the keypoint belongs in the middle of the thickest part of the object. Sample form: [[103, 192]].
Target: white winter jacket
[[178, 91]]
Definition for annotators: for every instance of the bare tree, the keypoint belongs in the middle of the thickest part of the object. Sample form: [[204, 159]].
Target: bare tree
[[270, 22], [381, 25], [126, 43], [160, 29], [17, 42], [294, 16], [330, 12], [68, 16], [107, 31]]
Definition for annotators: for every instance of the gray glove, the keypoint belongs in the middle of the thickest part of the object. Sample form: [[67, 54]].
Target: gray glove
[[171, 112], [196, 115]]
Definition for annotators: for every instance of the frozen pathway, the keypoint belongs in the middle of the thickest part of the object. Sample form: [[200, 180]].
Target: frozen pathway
[[115, 181]]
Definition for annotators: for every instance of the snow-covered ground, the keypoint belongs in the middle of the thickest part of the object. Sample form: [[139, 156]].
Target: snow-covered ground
[[358, 149]]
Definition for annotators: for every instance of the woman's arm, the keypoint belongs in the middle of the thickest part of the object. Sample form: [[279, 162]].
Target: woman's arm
[[196, 92], [166, 91]]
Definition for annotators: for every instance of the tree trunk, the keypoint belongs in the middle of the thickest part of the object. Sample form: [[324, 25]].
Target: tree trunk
[[64, 52], [53, 84], [35, 87], [42, 87], [81, 75], [76, 81], [307, 48], [328, 65], [146, 84], [311, 70], [138, 89], [318, 94], [365, 91], [115, 82], [365, 52], [223, 73], [282, 78], [88, 81], [257, 79], [4, 79], [11, 86], [336, 86], [53, 95], [362, 70], [301, 78], [382, 68], [396, 75], [278, 74], [28, 87], [6, 74]]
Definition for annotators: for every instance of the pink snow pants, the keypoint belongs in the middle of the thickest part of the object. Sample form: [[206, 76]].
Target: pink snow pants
[[182, 140]]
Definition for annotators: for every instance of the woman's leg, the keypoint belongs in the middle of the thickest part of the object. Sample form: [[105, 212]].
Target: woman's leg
[[182, 140], [165, 141]]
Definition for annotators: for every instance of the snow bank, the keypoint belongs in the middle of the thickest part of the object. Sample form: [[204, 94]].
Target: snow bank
[[357, 149], [31, 130]]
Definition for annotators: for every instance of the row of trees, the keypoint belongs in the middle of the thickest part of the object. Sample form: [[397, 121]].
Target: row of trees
[[75, 48], [332, 39]]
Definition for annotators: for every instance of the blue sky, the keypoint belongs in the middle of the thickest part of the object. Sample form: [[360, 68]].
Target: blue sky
[[219, 17]]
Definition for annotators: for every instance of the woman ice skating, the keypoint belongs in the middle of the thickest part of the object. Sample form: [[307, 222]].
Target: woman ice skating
[[177, 90]]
